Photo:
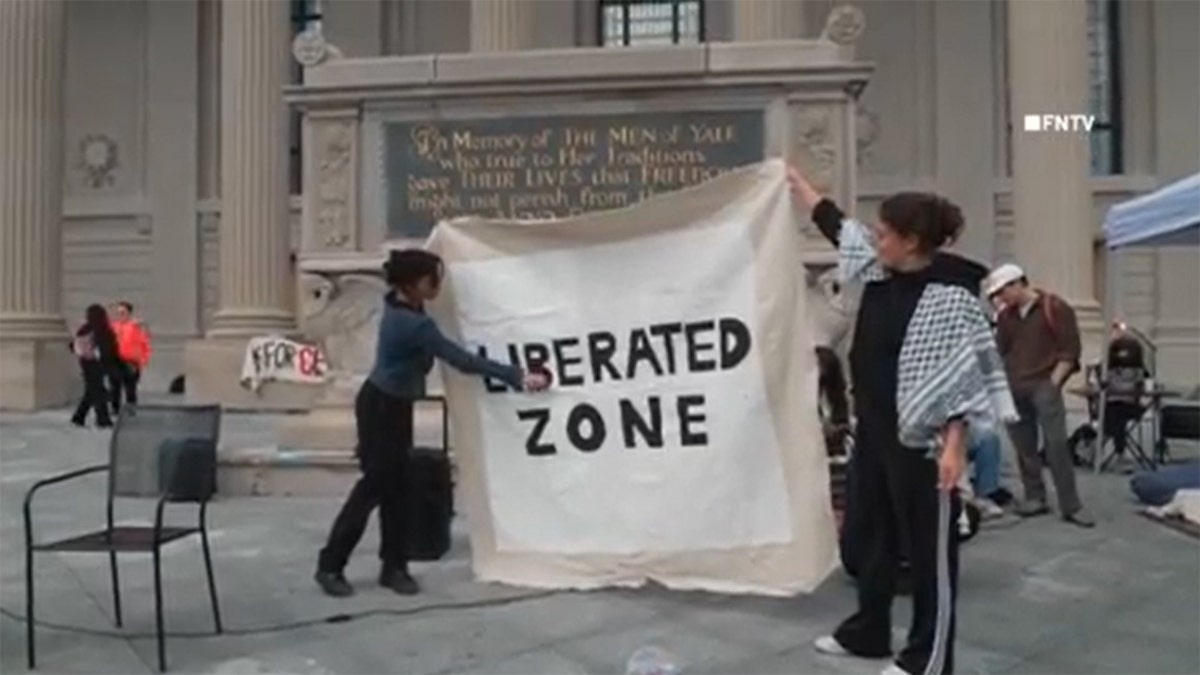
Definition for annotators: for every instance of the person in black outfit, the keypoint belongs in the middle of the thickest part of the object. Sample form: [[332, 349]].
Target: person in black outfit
[[95, 345], [383, 411], [831, 386], [896, 488], [1127, 375]]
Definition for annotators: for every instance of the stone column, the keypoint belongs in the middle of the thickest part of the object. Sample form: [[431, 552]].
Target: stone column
[[502, 25], [35, 365], [256, 291], [761, 20], [254, 250], [1052, 204]]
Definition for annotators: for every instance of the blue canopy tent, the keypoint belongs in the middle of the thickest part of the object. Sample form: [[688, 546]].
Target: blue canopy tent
[[1169, 216]]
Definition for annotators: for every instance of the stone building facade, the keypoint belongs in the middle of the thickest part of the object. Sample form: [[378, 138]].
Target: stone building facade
[[147, 152]]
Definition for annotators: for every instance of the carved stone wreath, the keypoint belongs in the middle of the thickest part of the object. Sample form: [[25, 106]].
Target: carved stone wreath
[[844, 25], [309, 48], [98, 160]]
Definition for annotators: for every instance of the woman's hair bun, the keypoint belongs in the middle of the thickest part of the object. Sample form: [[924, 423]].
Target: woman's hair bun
[[405, 267], [950, 220], [934, 220]]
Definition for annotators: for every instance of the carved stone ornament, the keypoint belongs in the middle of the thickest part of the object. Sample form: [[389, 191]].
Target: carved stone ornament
[[335, 152], [98, 160], [310, 49], [817, 148], [341, 313], [845, 25], [866, 133], [831, 308]]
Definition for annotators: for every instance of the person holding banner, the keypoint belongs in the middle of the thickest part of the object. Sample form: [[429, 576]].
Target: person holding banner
[[383, 410], [925, 375]]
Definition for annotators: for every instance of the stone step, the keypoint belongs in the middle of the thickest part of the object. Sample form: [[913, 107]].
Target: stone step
[[262, 472], [313, 457]]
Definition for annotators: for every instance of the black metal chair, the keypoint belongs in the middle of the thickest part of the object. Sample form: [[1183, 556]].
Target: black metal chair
[[161, 451]]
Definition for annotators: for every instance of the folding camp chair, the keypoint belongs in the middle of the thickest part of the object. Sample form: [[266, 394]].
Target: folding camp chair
[[161, 451]]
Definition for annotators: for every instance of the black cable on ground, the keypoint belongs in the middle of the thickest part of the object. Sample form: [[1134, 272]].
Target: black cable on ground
[[283, 627]]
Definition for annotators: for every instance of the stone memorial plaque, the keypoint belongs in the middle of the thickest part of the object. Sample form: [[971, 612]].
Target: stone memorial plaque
[[546, 167]]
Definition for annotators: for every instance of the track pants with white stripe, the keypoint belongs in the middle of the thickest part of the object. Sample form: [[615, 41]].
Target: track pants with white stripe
[[901, 514]]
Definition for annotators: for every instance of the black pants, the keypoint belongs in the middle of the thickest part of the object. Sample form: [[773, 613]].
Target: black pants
[[124, 378], [898, 510], [1117, 418], [385, 436], [95, 396]]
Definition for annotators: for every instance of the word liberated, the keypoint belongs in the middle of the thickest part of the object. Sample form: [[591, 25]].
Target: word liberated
[[274, 357], [660, 350], [664, 349]]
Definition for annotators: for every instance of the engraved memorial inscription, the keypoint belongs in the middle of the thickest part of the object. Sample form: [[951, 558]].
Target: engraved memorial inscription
[[547, 167]]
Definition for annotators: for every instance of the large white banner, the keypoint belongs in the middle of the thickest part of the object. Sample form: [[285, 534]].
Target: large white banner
[[680, 441]]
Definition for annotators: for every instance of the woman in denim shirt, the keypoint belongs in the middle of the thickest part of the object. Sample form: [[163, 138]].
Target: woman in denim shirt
[[409, 341]]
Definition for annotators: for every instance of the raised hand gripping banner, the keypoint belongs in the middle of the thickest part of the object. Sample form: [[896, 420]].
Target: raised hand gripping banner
[[680, 442]]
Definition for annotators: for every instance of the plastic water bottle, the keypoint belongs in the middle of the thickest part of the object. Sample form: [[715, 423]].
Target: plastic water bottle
[[651, 660]]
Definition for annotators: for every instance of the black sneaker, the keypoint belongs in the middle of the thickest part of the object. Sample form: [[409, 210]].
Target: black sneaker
[[334, 584], [399, 580]]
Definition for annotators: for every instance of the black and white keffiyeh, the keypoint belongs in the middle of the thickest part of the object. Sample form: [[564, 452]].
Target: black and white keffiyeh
[[949, 364]]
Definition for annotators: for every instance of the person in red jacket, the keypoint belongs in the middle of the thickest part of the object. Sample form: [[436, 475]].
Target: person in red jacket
[[133, 348]]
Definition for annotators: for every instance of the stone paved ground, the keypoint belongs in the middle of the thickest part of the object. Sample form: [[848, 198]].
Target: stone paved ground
[[1037, 597]]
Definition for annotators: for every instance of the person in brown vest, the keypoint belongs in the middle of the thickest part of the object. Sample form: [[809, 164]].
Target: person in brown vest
[[1038, 338]]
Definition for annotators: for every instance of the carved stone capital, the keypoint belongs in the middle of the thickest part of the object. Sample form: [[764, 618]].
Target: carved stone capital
[[845, 25]]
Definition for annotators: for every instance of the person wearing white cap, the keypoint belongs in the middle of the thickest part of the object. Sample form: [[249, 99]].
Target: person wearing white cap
[[1038, 338]]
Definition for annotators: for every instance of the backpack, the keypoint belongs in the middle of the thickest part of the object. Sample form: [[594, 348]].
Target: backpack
[[84, 347], [1049, 300]]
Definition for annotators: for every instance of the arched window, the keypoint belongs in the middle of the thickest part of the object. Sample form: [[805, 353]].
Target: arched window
[[651, 22], [305, 14], [1104, 86]]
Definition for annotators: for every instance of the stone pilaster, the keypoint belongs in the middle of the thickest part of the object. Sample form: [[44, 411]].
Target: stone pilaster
[[1052, 210], [35, 365], [254, 251], [761, 20], [502, 25]]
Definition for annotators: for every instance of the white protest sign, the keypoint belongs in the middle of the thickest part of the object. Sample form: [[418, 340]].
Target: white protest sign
[[276, 358], [681, 440], [658, 391]]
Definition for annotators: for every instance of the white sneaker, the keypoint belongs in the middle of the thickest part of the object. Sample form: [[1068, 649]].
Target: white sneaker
[[894, 669], [988, 509], [827, 644]]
